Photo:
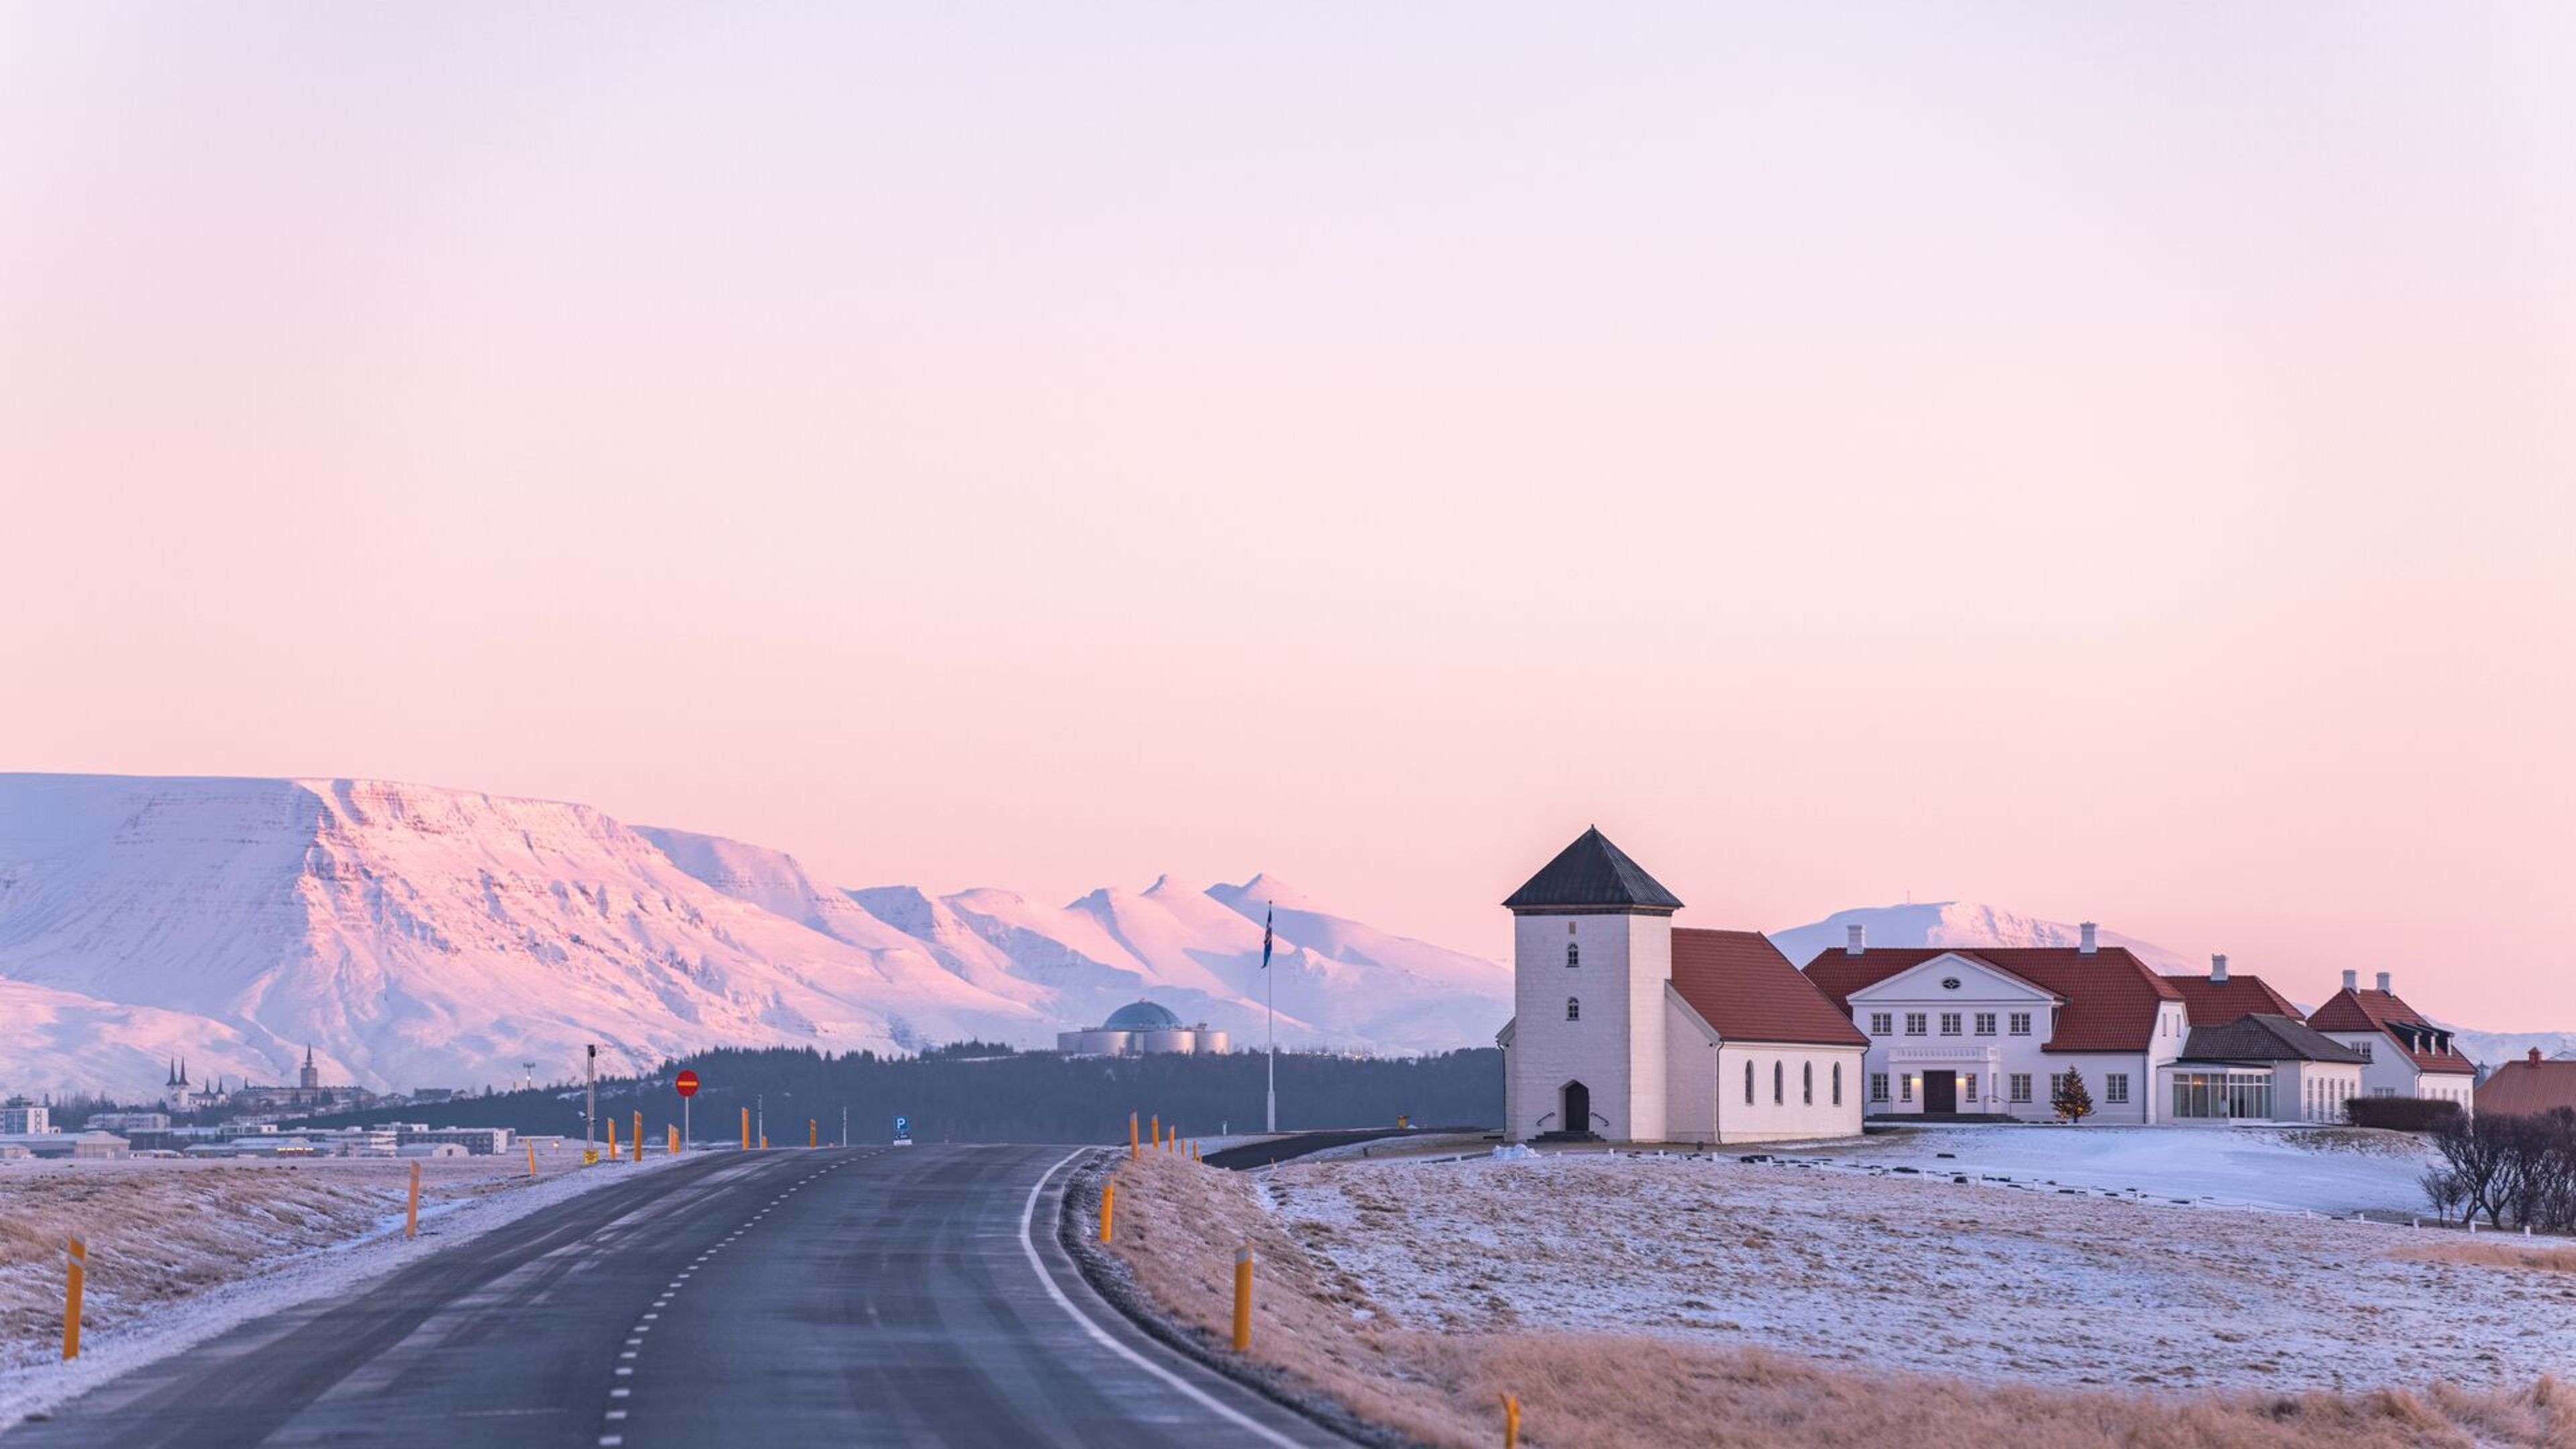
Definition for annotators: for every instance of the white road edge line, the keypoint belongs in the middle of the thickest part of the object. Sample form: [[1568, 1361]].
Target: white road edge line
[[1028, 1213]]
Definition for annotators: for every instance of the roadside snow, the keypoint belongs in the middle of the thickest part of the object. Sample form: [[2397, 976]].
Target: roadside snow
[[2325, 1170], [335, 1268], [1914, 1271]]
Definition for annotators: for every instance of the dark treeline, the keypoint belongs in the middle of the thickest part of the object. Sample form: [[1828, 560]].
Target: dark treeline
[[2518, 1170], [974, 1092]]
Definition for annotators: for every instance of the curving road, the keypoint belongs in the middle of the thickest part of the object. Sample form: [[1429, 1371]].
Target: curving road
[[862, 1296]]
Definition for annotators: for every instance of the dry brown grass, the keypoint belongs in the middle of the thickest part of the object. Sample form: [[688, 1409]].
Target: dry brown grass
[[2494, 1253], [1178, 1228], [159, 1231]]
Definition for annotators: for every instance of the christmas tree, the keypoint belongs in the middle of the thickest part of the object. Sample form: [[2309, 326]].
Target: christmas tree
[[2069, 1097]]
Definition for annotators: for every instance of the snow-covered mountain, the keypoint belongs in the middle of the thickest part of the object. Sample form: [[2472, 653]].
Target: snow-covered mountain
[[414, 936], [2495, 1048], [1958, 923], [418, 936]]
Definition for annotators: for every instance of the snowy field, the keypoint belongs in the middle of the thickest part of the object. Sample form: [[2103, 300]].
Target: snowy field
[[2324, 1170], [1840, 1259]]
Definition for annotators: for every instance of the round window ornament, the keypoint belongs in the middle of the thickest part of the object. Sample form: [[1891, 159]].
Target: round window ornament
[[1949, 983]]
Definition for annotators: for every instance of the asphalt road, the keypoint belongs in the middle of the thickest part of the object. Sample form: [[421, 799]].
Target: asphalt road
[[863, 1296]]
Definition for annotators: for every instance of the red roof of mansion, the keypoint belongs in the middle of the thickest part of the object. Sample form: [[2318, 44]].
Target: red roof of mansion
[[2111, 997], [2356, 1009], [2216, 1003], [1741, 985]]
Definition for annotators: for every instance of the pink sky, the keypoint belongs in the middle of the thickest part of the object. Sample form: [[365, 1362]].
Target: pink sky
[[2103, 463]]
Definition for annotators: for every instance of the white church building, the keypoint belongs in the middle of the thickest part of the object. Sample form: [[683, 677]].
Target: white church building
[[1627, 1029]]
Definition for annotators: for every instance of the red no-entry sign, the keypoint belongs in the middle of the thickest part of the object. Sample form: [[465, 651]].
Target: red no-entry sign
[[687, 1082]]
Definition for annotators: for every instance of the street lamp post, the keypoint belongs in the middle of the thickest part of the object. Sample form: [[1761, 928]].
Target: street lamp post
[[590, 1102]]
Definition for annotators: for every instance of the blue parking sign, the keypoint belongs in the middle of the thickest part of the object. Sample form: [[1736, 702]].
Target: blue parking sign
[[902, 1126]]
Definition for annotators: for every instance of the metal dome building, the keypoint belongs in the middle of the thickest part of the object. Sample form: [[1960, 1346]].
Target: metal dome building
[[1136, 1029]]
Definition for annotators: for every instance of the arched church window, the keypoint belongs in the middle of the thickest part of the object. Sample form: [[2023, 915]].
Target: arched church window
[[1838, 1084], [1573, 955], [1779, 1083], [1807, 1084], [1573, 1009], [1748, 1084]]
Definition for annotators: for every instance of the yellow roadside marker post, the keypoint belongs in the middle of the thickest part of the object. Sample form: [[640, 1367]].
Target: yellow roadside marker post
[[411, 1214], [1108, 1208], [76, 1258], [639, 1137], [811, 1142], [532, 1159], [671, 1138], [1131, 1137], [612, 1138], [764, 1142], [1511, 1420], [746, 1129], [1158, 1132], [1243, 1298]]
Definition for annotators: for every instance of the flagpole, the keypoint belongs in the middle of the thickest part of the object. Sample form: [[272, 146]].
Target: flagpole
[[1270, 1020]]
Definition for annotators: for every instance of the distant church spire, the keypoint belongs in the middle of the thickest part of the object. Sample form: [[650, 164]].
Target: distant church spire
[[170, 1077]]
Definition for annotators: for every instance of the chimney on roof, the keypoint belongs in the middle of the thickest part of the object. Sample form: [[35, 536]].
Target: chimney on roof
[[2218, 969], [2352, 981], [1853, 939], [2089, 946], [2535, 1056], [2383, 981]]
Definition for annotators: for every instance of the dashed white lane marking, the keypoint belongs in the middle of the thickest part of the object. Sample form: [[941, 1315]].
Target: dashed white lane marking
[[1196, 1395]]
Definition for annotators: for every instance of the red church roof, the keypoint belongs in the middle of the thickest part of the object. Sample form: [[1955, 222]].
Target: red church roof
[[2216, 1003], [2355, 1009], [2111, 997], [1741, 985]]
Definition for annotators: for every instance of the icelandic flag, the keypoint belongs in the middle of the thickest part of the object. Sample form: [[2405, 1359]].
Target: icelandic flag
[[1266, 914]]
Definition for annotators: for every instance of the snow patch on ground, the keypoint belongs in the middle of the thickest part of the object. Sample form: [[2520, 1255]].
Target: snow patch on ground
[[2329, 1170]]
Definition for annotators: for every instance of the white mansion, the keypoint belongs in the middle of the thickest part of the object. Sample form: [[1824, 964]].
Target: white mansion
[[1630, 1029]]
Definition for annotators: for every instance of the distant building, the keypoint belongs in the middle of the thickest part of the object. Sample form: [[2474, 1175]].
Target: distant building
[[309, 1092], [18, 1115], [2529, 1086], [1137, 1029], [82, 1145], [128, 1122], [2408, 1056]]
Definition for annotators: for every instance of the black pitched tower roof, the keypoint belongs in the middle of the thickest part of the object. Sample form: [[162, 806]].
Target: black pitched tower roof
[[1593, 876]]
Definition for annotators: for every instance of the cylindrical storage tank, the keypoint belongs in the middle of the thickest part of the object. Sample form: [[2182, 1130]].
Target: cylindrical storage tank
[[1211, 1041], [1171, 1039]]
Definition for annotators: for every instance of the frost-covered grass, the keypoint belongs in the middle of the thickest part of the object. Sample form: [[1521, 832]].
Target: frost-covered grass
[[1922, 1273], [1340, 1315]]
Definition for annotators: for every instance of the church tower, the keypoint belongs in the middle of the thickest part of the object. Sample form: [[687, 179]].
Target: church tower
[[1592, 957], [309, 1079]]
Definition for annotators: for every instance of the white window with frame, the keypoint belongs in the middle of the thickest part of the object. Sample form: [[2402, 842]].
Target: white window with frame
[[1905, 1086], [1968, 1086], [2021, 1023], [1985, 1023], [1882, 1023], [1949, 1023], [1878, 1086], [1573, 1008], [2115, 1088], [1573, 955], [1915, 1022], [2021, 1087], [2362, 1047]]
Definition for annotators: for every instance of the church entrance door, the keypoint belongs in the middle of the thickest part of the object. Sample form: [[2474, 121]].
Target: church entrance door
[[1940, 1091], [1578, 1107]]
